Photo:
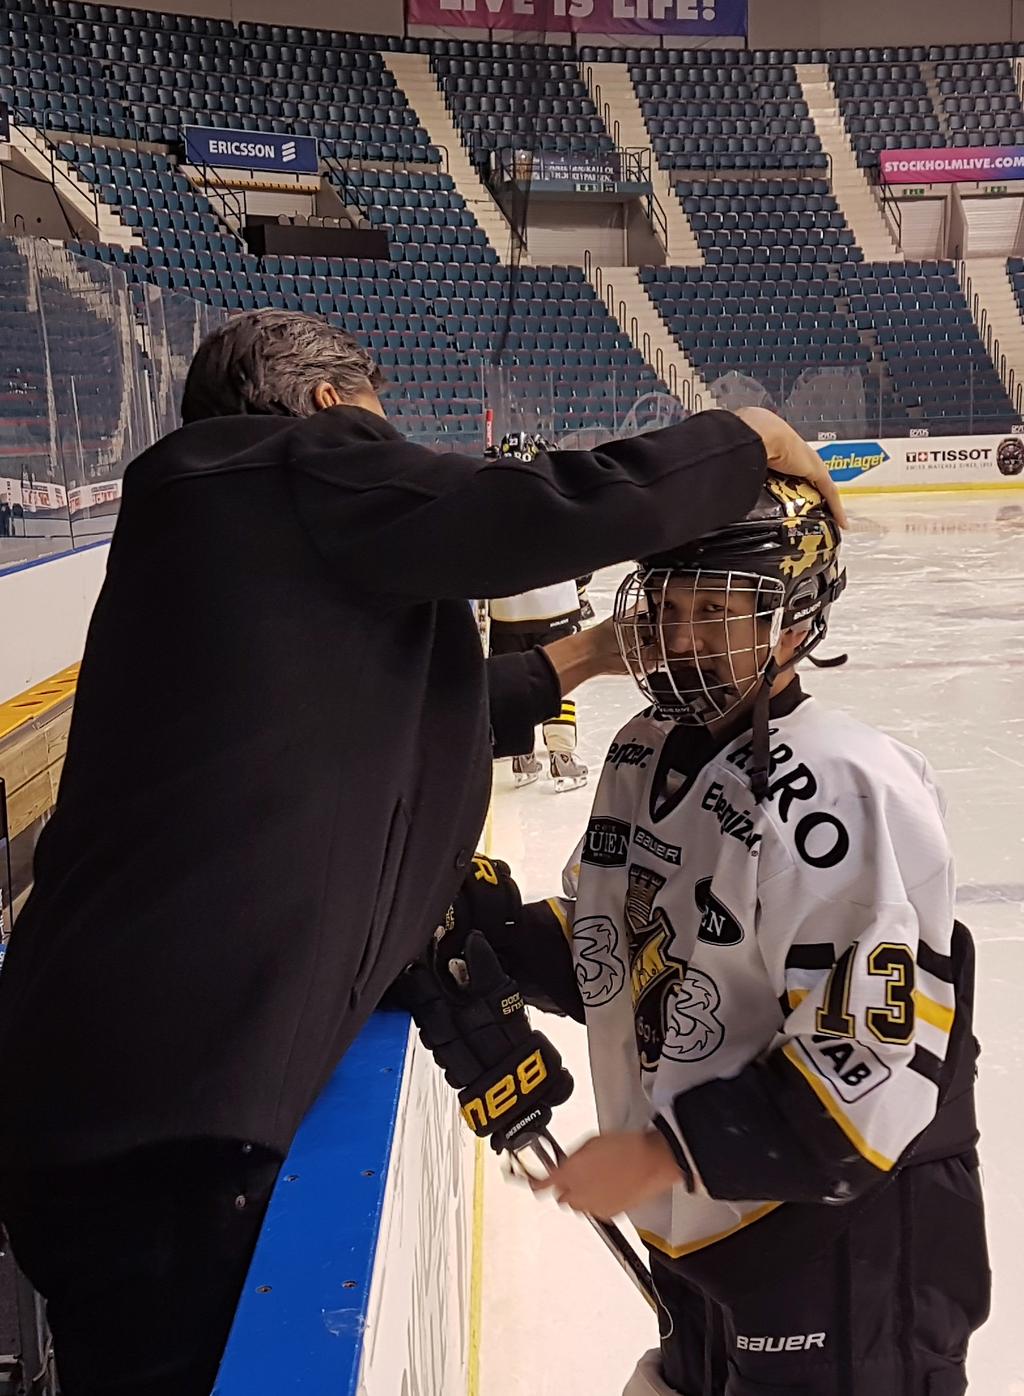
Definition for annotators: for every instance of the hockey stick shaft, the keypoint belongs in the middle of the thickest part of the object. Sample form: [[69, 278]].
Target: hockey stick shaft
[[549, 1152]]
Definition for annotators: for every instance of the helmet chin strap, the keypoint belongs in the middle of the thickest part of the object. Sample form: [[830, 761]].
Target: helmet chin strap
[[760, 755]]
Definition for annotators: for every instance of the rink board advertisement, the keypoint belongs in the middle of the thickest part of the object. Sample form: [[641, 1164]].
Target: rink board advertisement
[[692, 18], [926, 462]]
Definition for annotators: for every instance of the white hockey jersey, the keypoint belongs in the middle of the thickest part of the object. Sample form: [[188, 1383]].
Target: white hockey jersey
[[537, 608], [804, 942]]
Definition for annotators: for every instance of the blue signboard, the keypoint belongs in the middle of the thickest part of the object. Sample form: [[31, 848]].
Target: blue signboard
[[848, 459], [251, 150]]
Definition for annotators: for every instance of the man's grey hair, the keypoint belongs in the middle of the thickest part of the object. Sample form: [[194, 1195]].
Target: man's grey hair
[[270, 362]]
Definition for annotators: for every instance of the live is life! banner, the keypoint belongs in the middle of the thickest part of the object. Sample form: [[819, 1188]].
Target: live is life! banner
[[692, 18]]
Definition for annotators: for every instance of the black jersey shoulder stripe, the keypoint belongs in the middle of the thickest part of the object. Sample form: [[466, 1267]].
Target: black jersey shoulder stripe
[[811, 956], [785, 1005], [926, 1064], [941, 966]]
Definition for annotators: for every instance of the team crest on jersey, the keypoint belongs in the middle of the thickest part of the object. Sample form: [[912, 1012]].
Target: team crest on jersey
[[674, 1007], [718, 926], [600, 971]]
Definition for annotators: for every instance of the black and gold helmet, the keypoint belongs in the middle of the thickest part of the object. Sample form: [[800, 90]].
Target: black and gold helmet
[[775, 569]]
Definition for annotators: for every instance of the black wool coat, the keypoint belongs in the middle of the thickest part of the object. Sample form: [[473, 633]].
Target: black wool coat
[[279, 757]]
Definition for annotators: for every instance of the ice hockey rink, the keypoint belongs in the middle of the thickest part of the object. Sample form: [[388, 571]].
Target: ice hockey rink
[[933, 622]]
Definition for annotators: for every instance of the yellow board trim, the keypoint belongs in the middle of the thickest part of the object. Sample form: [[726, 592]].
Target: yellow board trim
[[476, 1274], [674, 1252], [37, 701], [937, 1014], [931, 489], [476, 1251], [845, 1124]]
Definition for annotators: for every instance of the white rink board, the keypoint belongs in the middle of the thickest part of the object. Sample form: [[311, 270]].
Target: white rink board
[[417, 1336], [919, 463]]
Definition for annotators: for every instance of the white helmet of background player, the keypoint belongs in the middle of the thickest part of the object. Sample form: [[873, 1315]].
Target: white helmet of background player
[[699, 625]]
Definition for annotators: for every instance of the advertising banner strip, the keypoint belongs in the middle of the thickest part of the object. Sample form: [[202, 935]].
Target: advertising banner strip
[[251, 150], [689, 18], [929, 463], [958, 165]]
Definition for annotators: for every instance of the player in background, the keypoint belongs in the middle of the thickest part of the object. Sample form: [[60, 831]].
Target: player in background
[[758, 930], [535, 618]]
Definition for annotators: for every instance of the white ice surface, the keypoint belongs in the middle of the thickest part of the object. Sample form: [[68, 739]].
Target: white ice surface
[[933, 621]]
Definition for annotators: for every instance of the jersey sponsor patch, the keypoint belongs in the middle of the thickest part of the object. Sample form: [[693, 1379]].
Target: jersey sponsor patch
[[851, 1068], [734, 822], [606, 842], [667, 852], [600, 969], [629, 754], [693, 1029], [718, 926], [675, 1008]]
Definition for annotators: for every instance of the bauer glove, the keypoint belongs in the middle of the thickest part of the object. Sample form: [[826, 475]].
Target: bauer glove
[[471, 1018]]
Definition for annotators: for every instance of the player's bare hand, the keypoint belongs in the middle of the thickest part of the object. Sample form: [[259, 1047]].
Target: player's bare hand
[[789, 454], [613, 1173]]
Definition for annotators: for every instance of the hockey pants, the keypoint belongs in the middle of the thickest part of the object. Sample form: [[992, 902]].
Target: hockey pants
[[881, 1306]]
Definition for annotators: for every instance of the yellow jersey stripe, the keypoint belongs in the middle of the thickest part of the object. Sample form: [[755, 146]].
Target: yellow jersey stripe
[[851, 1131], [937, 1014], [796, 996], [563, 920], [674, 1252]]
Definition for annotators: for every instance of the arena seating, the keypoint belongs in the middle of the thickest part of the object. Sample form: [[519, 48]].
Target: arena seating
[[532, 102], [144, 75], [779, 259], [740, 111], [767, 222], [980, 102], [929, 342]]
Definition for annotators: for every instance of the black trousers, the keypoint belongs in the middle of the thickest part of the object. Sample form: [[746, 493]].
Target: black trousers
[[141, 1260], [882, 1303]]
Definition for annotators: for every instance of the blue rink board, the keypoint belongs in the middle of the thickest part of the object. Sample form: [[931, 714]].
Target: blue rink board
[[304, 1332]]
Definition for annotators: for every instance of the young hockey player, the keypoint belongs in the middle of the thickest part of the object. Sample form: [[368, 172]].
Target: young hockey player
[[777, 996], [535, 618]]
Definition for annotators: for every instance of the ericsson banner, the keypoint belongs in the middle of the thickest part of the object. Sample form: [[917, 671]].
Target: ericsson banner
[[251, 150], [926, 463]]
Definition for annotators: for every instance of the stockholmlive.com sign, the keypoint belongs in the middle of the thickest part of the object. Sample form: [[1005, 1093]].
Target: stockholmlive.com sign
[[958, 165], [251, 150], [693, 18]]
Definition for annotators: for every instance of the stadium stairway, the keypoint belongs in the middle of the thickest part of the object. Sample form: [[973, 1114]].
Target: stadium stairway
[[629, 304], [611, 87], [70, 187], [414, 76], [992, 301], [853, 194]]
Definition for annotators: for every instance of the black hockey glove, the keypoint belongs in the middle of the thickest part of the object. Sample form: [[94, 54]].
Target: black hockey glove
[[471, 1018], [488, 901]]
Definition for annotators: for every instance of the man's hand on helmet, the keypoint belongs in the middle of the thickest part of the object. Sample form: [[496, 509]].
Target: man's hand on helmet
[[789, 454]]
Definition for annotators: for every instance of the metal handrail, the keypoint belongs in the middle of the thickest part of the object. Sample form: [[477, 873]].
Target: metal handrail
[[230, 200], [349, 187], [890, 204], [673, 380], [659, 357], [634, 328], [22, 117]]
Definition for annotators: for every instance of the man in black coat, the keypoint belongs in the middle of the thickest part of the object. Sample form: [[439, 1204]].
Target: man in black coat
[[277, 772]]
